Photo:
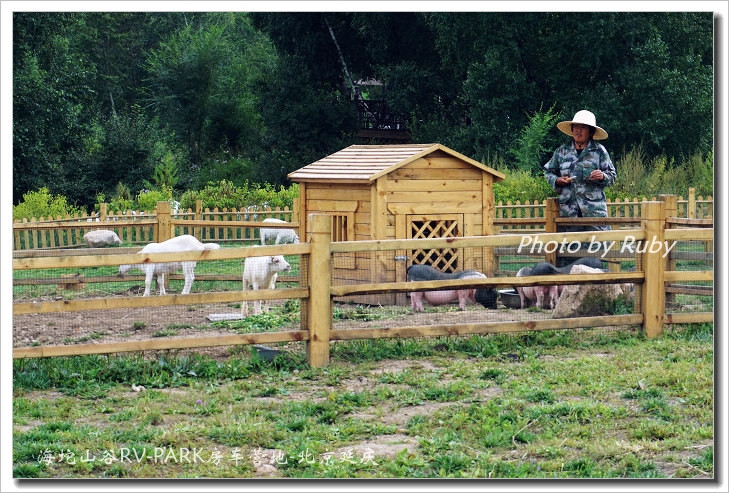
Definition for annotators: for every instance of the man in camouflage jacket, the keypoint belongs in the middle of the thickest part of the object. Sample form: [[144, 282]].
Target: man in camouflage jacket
[[580, 171]]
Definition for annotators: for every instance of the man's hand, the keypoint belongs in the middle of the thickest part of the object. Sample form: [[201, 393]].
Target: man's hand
[[597, 175], [563, 181]]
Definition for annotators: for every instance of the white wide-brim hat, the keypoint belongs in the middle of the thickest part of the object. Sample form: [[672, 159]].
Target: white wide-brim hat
[[586, 118]]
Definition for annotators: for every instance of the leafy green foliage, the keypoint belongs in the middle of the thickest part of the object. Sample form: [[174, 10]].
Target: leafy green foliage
[[639, 176], [521, 185], [530, 148], [166, 173], [202, 81], [52, 106], [102, 98], [226, 194], [304, 122], [237, 169], [129, 149], [42, 203], [147, 199]]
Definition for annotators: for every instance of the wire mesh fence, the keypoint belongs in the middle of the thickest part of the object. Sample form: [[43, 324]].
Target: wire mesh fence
[[144, 317]]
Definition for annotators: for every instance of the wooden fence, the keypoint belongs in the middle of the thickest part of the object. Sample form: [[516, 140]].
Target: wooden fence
[[316, 291], [532, 216], [544, 217], [242, 224], [142, 227]]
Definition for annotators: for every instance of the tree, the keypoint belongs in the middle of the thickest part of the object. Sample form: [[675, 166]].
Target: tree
[[302, 122], [52, 105], [114, 42], [127, 148], [100, 98], [665, 93], [204, 83]]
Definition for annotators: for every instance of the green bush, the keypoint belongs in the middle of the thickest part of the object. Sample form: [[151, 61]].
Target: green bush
[[122, 200], [221, 194], [530, 148], [147, 199], [224, 194], [166, 173], [272, 196], [638, 177], [523, 186], [223, 166], [698, 171], [42, 203]]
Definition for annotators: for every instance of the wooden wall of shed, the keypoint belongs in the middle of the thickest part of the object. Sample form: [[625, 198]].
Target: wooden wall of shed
[[333, 198], [434, 184], [440, 184]]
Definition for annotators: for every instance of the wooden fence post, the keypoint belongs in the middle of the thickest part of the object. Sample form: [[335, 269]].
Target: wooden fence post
[[691, 207], [164, 222], [551, 212], [197, 231], [654, 289], [671, 211], [102, 211], [295, 214], [320, 301], [488, 214]]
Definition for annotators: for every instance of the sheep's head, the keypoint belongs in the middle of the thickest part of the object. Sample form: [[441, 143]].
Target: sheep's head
[[123, 269], [278, 264]]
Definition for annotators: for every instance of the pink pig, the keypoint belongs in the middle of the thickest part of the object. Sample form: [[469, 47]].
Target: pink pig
[[538, 294], [445, 296]]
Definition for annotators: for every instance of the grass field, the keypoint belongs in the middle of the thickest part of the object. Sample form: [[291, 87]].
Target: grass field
[[556, 404]]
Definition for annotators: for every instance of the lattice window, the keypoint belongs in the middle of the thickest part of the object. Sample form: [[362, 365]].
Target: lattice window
[[437, 226], [343, 230], [341, 227]]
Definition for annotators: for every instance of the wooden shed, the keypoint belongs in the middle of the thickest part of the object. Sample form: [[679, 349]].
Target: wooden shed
[[380, 192]]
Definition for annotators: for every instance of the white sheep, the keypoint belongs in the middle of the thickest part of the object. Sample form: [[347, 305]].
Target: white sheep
[[184, 243], [261, 273], [280, 234]]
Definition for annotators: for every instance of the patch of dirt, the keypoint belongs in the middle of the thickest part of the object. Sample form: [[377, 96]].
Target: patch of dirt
[[401, 415], [265, 461], [398, 365], [122, 325], [382, 446], [113, 325], [670, 466]]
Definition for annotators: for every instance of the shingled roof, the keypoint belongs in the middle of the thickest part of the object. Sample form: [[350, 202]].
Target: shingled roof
[[366, 163]]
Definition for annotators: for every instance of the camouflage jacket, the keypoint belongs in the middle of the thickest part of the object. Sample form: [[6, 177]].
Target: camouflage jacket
[[582, 196]]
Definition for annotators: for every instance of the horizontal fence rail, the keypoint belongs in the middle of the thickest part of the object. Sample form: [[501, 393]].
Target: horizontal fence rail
[[157, 345]]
